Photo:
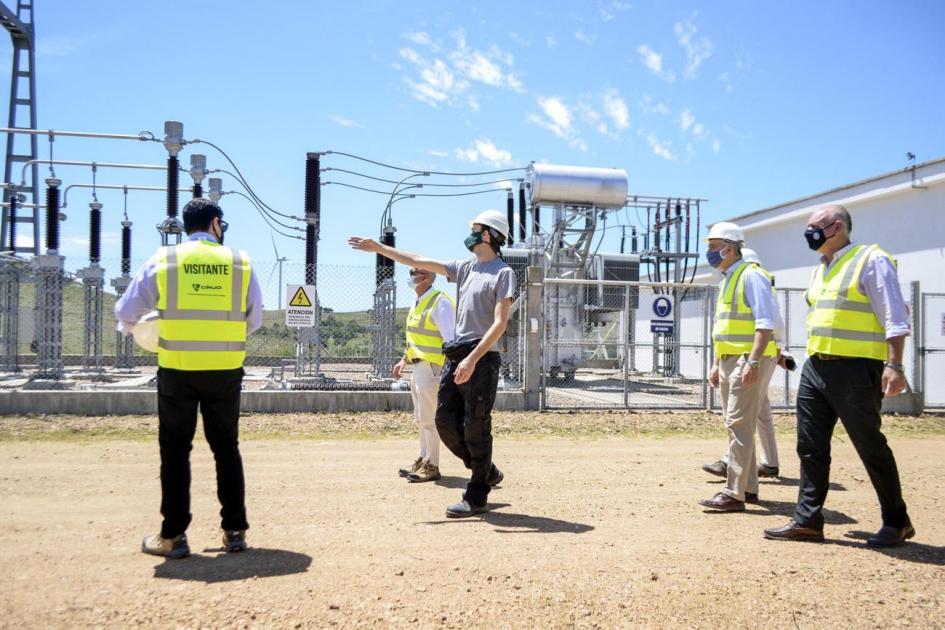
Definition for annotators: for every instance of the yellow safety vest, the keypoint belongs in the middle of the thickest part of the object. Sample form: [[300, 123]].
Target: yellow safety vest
[[424, 340], [840, 320], [202, 288], [734, 328]]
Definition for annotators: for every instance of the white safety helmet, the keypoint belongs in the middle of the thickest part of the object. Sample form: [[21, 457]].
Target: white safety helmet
[[145, 332], [750, 256], [726, 231], [494, 219]]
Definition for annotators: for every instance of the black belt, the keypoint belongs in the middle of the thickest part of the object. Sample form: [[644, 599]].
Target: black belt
[[415, 360]]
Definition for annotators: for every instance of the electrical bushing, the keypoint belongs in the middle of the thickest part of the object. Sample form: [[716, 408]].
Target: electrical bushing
[[173, 169], [198, 191], [95, 232], [52, 214], [384, 265], [216, 189], [536, 225], [633, 240], [12, 221], [522, 213], [510, 216], [312, 198], [173, 137], [125, 247]]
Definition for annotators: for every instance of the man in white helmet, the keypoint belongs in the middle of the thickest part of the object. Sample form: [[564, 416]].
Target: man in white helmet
[[769, 465], [485, 287], [746, 316]]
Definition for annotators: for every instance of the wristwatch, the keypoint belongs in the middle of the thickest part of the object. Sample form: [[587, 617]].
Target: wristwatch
[[751, 362], [896, 366]]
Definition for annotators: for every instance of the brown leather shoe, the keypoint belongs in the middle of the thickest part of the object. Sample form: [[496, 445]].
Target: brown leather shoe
[[723, 503], [751, 497], [793, 531], [889, 536]]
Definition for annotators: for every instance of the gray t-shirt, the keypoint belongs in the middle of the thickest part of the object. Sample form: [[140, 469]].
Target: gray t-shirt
[[478, 287]]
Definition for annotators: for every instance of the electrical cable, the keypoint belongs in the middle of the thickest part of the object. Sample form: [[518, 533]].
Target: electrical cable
[[410, 170], [393, 181], [384, 192], [266, 218], [242, 179]]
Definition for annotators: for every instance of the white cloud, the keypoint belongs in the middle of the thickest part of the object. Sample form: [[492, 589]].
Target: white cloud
[[584, 38], [487, 151], [688, 123], [716, 146], [616, 108], [436, 152], [686, 119], [550, 41], [419, 38], [698, 49], [343, 121], [558, 119], [654, 63], [661, 148], [650, 106]]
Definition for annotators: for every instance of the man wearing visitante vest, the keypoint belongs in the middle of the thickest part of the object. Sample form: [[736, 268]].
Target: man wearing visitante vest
[[430, 323], [208, 300], [746, 316], [856, 330]]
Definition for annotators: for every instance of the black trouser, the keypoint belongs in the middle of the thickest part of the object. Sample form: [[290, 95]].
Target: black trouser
[[217, 392], [852, 390], [464, 420]]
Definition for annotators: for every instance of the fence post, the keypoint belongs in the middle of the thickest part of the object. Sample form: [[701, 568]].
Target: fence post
[[918, 342], [534, 326]]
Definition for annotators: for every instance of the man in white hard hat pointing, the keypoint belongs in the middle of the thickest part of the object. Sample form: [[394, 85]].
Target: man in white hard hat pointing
[[485, 287]]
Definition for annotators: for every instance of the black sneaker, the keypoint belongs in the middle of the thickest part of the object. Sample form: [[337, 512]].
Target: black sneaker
[[495, 476], [175, 547], [717, 468], [464, 509], [234, 541], [768, 471]]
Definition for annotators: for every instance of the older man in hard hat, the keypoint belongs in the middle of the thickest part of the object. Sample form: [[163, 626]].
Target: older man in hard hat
[[856, 330], [745, 353], [769, 466], [485, 287]]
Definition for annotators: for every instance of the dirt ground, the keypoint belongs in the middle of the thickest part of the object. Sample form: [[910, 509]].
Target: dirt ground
[[596, 524]]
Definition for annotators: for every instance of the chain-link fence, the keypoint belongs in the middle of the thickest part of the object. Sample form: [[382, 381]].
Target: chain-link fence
[[932, 351]]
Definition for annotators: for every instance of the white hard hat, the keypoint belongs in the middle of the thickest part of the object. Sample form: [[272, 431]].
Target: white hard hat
[[750, 256], [493, 219], [726, 231], [145, 332]]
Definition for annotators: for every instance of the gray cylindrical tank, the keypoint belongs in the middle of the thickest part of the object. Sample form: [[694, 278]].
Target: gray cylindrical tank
[[577, 185]]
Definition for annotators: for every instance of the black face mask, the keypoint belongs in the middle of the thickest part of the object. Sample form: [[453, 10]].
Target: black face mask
[[815, 238]]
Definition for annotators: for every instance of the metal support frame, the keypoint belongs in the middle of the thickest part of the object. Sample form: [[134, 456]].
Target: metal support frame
[[93, 281], [384, 329], [10, 275], [534, 337], [21, 29], [48, 269]]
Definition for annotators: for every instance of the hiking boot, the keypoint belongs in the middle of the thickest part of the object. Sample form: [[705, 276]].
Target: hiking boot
[[405, 472], [717, 468], [234, 540], [427, 472], [464, 509], [175, 547], [768, 471], [495, 476]]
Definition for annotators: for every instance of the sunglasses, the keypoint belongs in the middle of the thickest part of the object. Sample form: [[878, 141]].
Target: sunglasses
[[224, 225], [417, 273]]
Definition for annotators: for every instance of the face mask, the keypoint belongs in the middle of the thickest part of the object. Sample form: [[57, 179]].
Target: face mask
[[472, 240], [815, 238], [714, 258], [412, 282]]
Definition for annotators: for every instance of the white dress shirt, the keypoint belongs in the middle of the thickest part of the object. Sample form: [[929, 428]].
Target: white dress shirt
[[443, 316]]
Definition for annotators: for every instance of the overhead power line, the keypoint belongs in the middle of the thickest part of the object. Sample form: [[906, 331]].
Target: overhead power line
[[411, 170]]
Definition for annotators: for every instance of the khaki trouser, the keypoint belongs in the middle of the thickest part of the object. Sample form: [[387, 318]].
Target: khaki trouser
[[423, 389], [766, 437], [742, 405]]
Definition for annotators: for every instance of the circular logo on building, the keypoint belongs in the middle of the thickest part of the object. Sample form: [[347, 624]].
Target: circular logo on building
[[662, 307]]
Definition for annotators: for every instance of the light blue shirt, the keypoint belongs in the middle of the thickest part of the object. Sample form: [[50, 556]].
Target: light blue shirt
[[879, 282], [141, 297], [760, 298]]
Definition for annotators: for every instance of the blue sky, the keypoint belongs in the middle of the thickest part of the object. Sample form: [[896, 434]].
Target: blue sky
[[746, 104]]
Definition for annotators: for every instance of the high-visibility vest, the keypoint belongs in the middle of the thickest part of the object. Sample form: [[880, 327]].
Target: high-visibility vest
[[202, 288], [734, 328], [840, 320], [424, 340]]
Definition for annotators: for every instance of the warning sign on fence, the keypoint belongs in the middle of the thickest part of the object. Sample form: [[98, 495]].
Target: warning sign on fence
[[300, 312]]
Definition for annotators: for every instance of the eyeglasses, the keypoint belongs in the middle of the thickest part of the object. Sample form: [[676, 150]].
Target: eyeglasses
[[417, 273]]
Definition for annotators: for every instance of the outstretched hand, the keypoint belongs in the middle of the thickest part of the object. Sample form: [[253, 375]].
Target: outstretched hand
[[364, 244]]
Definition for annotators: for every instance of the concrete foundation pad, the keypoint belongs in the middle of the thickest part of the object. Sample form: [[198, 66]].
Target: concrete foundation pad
[[138, 402]]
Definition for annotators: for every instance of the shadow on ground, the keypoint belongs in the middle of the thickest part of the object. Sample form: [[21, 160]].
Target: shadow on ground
[[509, 523], [910, 551], [227, 567], [787, 508]]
